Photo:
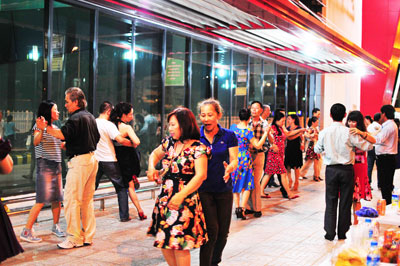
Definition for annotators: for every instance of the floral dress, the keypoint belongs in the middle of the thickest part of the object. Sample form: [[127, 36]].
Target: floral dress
[[185, 228], [243, 177], [310, 153], [362, 189], [275, 160]]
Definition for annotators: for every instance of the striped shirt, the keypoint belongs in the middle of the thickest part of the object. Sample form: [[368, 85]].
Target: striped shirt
[[49, 147]]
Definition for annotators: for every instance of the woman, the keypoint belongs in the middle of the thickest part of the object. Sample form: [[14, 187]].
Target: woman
[[128, 159], [293, 151], [216, 191], [178, 220], [312, 157], [243, 178], [48, 173], [9, 246], [275, 159], [362, 189]]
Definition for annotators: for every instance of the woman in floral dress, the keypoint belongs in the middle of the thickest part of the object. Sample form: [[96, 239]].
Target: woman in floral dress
[[275, 159], [362, 188], [243, 178], [312, 157], [178, 220]]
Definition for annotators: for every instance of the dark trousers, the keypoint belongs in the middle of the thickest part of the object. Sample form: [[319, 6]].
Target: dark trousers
[[339, 180], [386, 164], [371, 161], [217, 208], [112, 171]]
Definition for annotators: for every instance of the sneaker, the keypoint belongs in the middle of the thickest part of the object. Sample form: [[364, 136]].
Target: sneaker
[[58, 231], [28, 236], [68, 244]]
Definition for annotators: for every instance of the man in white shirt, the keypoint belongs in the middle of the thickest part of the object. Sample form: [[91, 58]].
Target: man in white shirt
[[105, 154], [338, 142], [373, 128], [386, 150]]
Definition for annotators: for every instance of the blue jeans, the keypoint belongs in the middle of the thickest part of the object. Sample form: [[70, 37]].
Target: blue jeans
[[217, 208], [112, 171]]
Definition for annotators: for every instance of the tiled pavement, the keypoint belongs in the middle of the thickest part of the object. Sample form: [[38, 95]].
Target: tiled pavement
[[290, 232]]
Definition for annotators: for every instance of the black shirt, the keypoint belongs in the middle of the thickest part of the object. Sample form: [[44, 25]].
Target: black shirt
[[80, 133]]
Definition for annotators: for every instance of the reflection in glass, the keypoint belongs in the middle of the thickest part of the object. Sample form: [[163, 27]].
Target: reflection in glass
[[291, 108], [239, 100], [72, 45], [176, 71], [201, 72], [148, 90], [21, 83], [301, 101], [114, 60], [269, 84], [222, 90], [281, 86], [255, 79]]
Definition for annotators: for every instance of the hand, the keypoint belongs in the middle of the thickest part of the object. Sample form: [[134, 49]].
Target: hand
[[152, 175], [41, 123], [176, 201], [228, 172], [355, 131], [274, 148]]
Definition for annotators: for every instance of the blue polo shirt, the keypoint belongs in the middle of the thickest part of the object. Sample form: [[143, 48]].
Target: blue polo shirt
[[223, 140]]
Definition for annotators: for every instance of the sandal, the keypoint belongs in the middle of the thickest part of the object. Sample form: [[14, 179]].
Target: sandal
[[294, 197], [267, 196], [142, 216], [316, 179], [240, 213]]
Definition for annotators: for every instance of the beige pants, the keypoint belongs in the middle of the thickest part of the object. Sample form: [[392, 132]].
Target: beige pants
[[254, 202], [78, 194]]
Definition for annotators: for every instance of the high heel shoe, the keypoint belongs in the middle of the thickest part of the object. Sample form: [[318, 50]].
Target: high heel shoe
[[316, 179], [239, 213], [142, 216]]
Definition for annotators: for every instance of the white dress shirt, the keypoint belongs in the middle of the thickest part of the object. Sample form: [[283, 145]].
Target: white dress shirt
[[374, 127], [387, 138], [338, 144]]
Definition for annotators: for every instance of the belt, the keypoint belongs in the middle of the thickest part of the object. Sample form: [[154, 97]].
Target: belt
[[79, 154]]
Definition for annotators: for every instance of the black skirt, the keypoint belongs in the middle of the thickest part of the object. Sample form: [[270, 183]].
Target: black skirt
[[293, 153], [9, 245]]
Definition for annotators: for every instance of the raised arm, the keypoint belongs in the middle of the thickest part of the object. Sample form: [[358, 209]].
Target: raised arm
[[259, 143], [37, 137], [6, 165], [132, 135], [154, 158]]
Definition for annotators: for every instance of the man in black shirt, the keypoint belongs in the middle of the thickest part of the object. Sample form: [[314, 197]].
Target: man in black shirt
[[81, 136]]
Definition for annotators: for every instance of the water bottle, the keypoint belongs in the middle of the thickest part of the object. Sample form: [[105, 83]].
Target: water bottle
[[373, 257]]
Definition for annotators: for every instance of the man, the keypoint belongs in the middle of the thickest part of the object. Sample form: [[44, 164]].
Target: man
[[386, 150], [81, 137], [338, 142], [265, 114], [105, 154], [258, 125], [373, 128], [316, 112]]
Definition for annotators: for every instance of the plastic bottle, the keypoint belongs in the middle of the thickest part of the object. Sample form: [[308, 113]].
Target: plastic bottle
[[373, 257]]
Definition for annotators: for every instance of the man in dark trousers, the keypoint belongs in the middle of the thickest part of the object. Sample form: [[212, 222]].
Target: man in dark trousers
[[337, 142], [81, 137]]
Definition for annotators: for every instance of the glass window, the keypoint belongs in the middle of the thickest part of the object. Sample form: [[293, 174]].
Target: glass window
[[222, 90], [114, 60], [255, 79], [301, 100], [239, 100], [201, 73], [22, 72], [269, 84], [281, 86], [291, 108], [148, 89], [72, 48], [176, 71]]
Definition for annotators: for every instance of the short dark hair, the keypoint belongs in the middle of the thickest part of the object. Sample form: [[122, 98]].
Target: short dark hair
[[105, 106], [261, 105], [377, 117], [76, 94], [315, 110], [388, 110], [45, 110], [369, 118], [312, 120], [338, 111], [296, 119], [244, 114], [187, 123], [279, 110], [357, 117], [120, 109]]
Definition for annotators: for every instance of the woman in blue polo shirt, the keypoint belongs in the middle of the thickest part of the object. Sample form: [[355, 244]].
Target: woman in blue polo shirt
[[216, 191]]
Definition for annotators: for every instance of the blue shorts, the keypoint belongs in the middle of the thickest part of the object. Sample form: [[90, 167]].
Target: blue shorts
[[48, 181]]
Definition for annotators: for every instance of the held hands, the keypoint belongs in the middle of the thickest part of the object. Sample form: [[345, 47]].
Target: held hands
[[355, 131], [176, 201], [41, 123], [152, 175], [228, 172], [274, 148]]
